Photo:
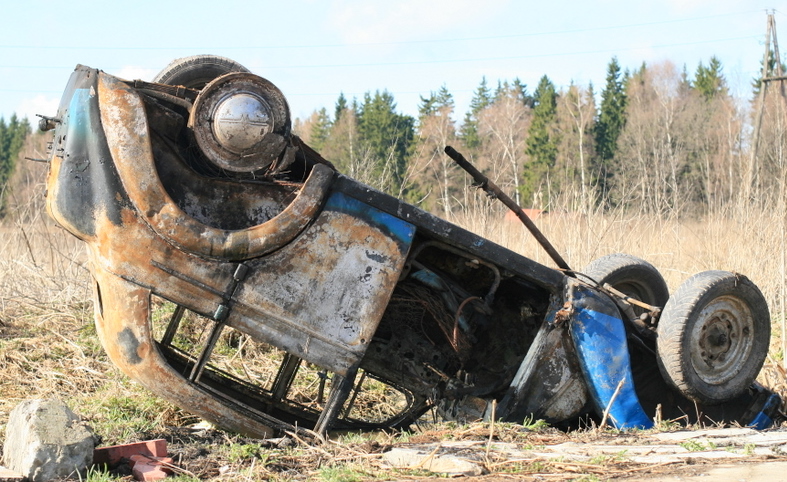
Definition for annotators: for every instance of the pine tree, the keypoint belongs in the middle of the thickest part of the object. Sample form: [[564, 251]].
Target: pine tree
[[482, 98], [435, 102], [388, 136], [12, 139], [5, 140], [320, 129], [709, 81], [503, 87], [444, 98], [521, 90], [541, 145], [427, 106], [612, 113], [609, 125], [685, 84], [341, 105]]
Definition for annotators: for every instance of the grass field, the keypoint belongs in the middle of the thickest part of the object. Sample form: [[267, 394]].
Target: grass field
[[48, 346]]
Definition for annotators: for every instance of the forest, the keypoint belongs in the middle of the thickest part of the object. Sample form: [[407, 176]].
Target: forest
[[656, 140]]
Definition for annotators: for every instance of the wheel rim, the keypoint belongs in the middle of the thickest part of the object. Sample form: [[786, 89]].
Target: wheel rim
[[638, 291], [722, 339]]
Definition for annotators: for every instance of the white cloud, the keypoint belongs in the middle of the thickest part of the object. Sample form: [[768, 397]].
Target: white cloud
[[684, 7], [40, 104], [362, 21], [131, 72]]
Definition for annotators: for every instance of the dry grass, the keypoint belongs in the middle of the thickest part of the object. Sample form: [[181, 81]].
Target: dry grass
[[748, 244], [48, 346], [751, 242], [43, 275]]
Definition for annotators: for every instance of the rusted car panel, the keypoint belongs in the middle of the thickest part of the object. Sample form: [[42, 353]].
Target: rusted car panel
[[326, 316], [332, 272], [127, 133], [131, 348]]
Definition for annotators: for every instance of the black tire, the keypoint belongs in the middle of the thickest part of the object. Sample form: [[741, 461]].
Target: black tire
[[197, 70], [713, 336], [633, 276]]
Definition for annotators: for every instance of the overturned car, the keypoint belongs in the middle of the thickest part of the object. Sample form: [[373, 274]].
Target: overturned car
[[192, 189]]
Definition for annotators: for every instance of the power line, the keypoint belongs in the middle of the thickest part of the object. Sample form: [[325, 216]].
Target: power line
[[436, 61], [403, 42]]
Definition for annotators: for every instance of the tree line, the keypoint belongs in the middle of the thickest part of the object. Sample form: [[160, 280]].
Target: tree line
[[661, 141], [12, 138]]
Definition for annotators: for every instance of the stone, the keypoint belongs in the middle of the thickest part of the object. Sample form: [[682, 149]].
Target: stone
[[436, 461], [45, 440], [7, 475]]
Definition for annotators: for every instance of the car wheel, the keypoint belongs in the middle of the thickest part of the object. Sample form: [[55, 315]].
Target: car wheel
[[197, 70], [713, 336], [633, 276]]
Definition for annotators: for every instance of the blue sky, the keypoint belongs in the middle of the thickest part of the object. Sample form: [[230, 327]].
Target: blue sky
[[314, 50]]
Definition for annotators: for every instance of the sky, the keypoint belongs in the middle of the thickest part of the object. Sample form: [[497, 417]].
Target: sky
[[313, 50]]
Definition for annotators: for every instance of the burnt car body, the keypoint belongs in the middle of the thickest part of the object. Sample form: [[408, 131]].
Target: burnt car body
[[261, 235]]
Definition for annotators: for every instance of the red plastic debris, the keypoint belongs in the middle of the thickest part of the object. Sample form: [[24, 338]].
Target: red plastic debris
[[146, 468], [115, 454]]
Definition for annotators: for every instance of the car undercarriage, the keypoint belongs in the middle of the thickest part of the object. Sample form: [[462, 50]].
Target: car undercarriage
[[192, 192]]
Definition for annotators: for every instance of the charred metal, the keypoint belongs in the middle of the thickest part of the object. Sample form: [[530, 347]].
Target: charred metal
[[202, 196]]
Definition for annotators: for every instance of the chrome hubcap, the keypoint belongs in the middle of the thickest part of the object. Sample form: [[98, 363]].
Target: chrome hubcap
[[240, 121]]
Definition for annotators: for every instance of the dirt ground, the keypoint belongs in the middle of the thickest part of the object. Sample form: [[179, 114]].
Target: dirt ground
[[469, 454], [717, 454], [762, 471]]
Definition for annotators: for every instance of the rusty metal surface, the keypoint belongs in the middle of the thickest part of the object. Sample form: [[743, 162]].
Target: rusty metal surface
[[125, 126], [332, 272], [319, 295], [322, 297], [548, 384], [122, 311]]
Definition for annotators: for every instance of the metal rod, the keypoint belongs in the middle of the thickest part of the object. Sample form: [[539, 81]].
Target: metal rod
[[172, 327], [484, 183], [285, 376], [340, 390], [348, 408], [199, 366], [169, 98], [321, 387], [633, 301]]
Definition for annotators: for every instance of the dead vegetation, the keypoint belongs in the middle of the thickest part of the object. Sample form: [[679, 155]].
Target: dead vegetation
[[48, 348]]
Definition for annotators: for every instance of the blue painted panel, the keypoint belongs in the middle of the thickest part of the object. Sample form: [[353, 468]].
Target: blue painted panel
[[86, 183], [600, 340], [400, 230], [79, 115], [763, 420]]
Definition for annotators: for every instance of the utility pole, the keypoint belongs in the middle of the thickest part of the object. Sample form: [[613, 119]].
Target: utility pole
[[751, 177], [768, 76], [771, 47]]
